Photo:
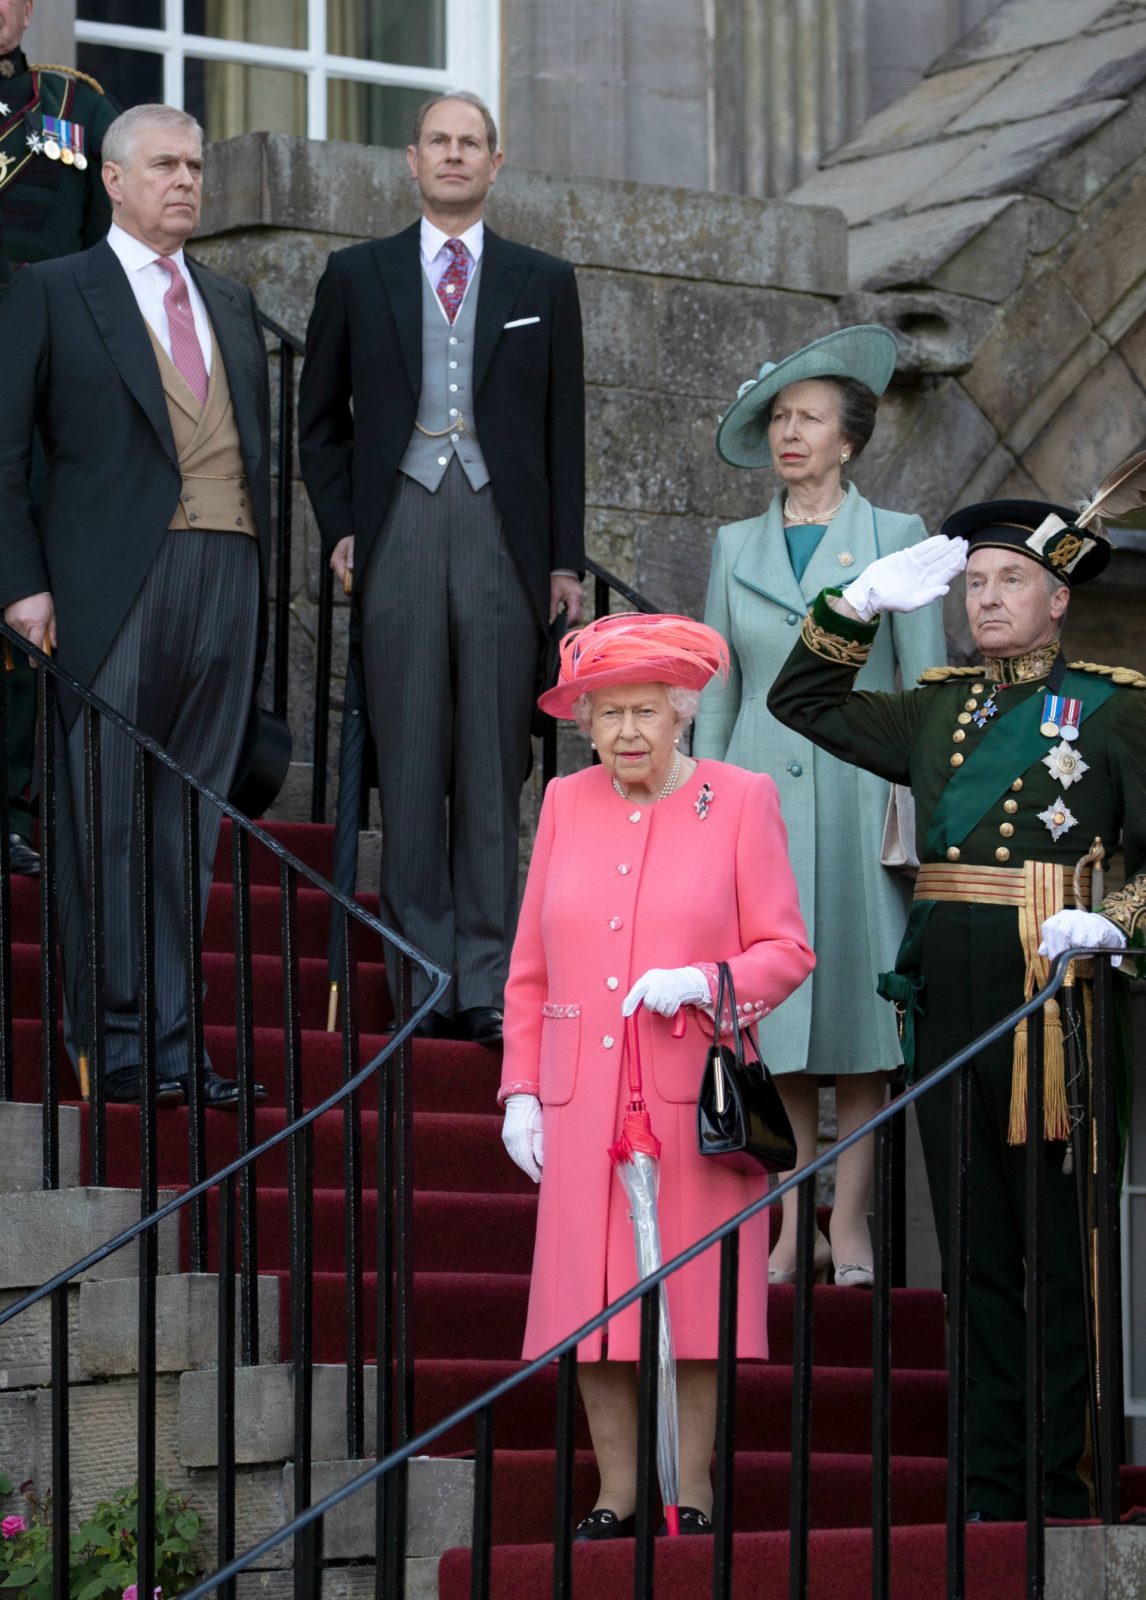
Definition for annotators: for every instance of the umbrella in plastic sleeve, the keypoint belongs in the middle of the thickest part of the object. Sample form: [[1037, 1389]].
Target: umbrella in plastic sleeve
[[636, 1156]]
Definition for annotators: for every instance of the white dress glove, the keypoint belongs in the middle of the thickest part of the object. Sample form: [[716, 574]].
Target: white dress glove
[[1081, 930], [521, 1133], [666, 989], [908, 579]]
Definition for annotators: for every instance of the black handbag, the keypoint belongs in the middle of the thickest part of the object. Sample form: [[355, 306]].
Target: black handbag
[[740, 1118]]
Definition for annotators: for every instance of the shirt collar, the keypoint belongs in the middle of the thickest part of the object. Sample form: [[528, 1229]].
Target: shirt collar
[[433, 239], [134, 254]]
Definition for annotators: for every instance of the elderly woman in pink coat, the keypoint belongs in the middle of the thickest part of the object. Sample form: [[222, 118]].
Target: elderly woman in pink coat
[[647, 871]]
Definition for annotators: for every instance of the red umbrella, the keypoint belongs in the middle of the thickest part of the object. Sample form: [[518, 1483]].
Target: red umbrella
[[636, 1156]]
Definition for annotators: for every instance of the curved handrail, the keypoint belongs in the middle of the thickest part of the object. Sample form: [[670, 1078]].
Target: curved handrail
[[471, 1408]]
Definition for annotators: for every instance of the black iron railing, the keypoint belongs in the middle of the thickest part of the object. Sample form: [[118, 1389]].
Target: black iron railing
[[234, 1185], [288, 347], [1106, 1398]]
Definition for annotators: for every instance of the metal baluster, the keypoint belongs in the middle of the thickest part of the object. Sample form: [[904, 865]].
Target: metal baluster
[[49, 1005], [61, 1446], [1105, 1166], [1036, 1311], [283, 542], [396, 1488], [196, 1054], [300, 1169], [647, 1445], [7, 1063], [245, 1050], [897, 1197], [225, 1387], [148, 1165], [322, 663], [884, 1251], [600, 596], [404, 1219], [801, 1393], [564, 1456], [481, 1551], [1078, 1066], [93, 836], [308, 1572], [957, 1338], [384, 1337], [352, 1197], [548, 750], [726, 1417]]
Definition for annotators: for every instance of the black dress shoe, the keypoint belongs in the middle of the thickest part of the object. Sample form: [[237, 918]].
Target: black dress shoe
[[124, 1085], [983, 1516], [604, 1524], [221, 1093], [21, 857], [481, 1024], [689, 1520], [434, 1025]]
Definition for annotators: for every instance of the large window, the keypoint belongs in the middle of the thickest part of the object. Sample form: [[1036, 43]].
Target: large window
[[327, 69]]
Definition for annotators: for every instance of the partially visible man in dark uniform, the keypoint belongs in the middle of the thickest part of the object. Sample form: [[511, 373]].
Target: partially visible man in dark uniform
[[52, 203], [1024, 772]]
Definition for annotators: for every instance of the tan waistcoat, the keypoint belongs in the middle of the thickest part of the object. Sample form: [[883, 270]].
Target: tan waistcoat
[[214, 493]]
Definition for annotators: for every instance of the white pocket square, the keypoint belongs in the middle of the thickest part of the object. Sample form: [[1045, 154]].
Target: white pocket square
[[522, 322]]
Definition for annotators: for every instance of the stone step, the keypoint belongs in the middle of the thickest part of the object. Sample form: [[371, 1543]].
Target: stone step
[[264, 1402], [22, 1147], [186, 1323], [47, 1230], [26, 1342]]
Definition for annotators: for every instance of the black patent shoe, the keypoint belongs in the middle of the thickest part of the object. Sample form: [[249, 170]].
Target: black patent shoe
[[222, 1094], [689, 1520], [974, 1517], [22, 859], [125, 1085], [481, 1024], [604, 1524]]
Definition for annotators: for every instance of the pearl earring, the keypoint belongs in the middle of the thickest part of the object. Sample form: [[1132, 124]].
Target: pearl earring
[[845, 456], [592, 744]]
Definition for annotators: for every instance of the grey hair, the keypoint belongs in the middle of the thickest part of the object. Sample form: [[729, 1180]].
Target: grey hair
[[684, 703], [1053, 581], [467, 98], [119, 140]]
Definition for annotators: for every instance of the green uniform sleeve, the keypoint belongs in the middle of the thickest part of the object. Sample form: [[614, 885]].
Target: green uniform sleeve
[[813, 694]]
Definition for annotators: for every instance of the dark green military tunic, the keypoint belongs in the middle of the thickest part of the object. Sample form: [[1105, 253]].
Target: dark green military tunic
[[1007, 808], [47, 209]]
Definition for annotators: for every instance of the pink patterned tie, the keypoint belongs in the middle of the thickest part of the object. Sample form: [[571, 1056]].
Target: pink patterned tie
[[186, 351], [452, 283]]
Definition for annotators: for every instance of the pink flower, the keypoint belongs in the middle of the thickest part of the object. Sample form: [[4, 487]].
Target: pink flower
[[130, 1593], [11, 1526]]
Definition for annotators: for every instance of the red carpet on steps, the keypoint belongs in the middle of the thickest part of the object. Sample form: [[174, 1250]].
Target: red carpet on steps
[[473, 1236]]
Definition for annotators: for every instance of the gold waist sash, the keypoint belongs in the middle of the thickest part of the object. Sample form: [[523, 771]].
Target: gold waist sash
[[1037, 890]]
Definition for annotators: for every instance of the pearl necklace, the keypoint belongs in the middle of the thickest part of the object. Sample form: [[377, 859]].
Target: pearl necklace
[[667, 787], [826, 516]]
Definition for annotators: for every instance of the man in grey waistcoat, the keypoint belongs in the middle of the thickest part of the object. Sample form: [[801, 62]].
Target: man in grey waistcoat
[[441, 430]]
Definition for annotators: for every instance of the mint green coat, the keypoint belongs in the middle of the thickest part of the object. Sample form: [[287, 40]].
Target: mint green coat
[[854, 908]]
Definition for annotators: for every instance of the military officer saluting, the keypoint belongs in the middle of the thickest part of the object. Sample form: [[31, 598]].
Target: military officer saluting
[[1021, 767], [52, 203]]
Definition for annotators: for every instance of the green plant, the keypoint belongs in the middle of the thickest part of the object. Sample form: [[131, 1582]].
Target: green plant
[[102, 1549]]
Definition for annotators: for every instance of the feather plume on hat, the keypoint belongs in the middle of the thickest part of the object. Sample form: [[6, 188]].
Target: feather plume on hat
[[1119, 493]]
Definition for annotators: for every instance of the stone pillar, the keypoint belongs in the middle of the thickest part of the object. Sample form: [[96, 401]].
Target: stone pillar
[[51, 33]]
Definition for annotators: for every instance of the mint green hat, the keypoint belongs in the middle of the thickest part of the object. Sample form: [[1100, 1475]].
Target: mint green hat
[[865, 352]]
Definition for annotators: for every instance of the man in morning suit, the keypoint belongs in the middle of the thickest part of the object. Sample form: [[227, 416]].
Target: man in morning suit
[[145, 568], [1019, 767], [52, 202], [441, 431]]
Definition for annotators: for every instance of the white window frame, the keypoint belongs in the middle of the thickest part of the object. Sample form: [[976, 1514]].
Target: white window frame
[[473, 55]]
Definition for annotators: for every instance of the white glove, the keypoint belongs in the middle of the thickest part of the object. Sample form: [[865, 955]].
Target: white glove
[[666, 989], [1081, 930], [908, 579], [521, 1133]]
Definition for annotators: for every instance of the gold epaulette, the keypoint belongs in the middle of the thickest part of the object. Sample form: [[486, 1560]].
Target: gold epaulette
[[942, 674], [1126, 676], [69, 72]]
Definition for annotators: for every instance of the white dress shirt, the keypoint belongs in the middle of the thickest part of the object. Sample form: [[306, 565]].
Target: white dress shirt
[[149, 283], [436, 258]]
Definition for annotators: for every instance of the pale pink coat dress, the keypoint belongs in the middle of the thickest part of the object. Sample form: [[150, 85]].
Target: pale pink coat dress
[[613, 889]]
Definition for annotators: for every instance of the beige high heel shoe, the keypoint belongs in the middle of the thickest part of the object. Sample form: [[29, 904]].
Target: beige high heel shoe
[[821, 1263]]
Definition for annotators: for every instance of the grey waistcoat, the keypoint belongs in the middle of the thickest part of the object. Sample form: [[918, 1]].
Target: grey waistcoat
[[447, 393]]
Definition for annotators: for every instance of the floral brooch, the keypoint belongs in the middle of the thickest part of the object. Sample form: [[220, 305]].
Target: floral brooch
[[703, 800]]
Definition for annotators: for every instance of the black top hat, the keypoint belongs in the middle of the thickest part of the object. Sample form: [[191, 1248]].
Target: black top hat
[[1037, 529]]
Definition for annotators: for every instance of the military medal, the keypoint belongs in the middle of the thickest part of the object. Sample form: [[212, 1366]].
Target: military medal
[[1058, 818], [1065, 764], [1061, 717], [988, 709], [64, 141]]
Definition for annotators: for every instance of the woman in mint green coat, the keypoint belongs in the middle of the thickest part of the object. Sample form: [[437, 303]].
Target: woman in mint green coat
[[808, 417]]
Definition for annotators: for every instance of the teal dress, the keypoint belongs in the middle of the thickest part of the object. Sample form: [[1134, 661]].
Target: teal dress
[[764, 577]]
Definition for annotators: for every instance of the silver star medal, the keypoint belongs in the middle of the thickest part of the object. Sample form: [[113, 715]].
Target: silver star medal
[[4, 110], [1065, 764], [35, 144], [1058, 818]]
